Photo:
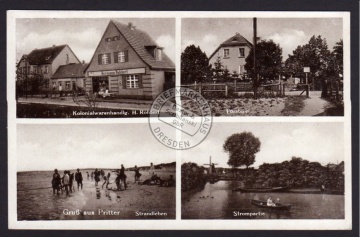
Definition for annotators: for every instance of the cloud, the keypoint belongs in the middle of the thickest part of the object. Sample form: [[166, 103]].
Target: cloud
[[168, 42], [83, 43], [207, 43], [289, 40]]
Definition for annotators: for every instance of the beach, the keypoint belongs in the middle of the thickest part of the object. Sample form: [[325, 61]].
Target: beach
[[37, 202]]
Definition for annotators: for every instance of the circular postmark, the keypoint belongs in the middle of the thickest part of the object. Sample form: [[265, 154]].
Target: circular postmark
[[180, 118]]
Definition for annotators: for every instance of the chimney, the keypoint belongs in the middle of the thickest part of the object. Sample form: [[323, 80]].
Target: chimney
[[83, 61], [53, 45], [131, 26]]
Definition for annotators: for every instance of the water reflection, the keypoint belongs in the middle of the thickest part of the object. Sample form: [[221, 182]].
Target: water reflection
[[218, 201]]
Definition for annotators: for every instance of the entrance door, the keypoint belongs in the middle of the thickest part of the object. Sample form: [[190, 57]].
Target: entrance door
[[100, 83]]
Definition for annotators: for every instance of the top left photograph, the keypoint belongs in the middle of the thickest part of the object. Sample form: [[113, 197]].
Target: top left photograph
[[92, 67]]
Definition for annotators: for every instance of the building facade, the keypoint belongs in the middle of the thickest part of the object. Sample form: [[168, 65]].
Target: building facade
[[71, 77], [232, 54], [128, 63], [45, 62]]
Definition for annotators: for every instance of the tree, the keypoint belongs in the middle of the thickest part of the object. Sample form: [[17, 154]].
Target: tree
[[194, 65], [217, 70], [268, 60], [242, 148], [235, 75], [226, 76], [315, 54], [339, 56]]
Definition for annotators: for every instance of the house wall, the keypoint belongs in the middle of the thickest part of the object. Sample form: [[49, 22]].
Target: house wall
[[233, 61], [61, 60], [114, 46], [157, 83]]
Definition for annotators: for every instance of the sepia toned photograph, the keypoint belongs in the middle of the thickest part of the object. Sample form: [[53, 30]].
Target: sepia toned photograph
[[92, 68], [266, 171], [265, 66], [86, 172]]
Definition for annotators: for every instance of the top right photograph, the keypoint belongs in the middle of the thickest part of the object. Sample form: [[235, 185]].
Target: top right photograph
[[265, 66]]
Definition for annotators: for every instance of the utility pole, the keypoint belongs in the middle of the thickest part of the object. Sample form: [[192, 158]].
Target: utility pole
[[254, 50]]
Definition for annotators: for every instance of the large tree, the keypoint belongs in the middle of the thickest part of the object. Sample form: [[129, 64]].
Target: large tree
[[242, 148], [338, 55], [194, 65], [268, 60], [315, 54]]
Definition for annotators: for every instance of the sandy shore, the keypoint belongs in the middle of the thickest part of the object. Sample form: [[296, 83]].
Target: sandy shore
[[136, 202]]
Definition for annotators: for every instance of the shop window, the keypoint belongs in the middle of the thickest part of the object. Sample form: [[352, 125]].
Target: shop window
[[241, 52], [132, 81], [226, 53]]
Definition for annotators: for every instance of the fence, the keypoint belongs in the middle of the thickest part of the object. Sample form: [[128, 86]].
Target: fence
[[234, 88]]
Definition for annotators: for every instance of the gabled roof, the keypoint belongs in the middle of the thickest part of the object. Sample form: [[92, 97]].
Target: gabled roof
[[72, 70], [139, 40], [236, 40], [44, 55]]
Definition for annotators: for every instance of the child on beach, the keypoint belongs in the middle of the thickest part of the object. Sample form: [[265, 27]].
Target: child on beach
[[66, 181], [106, 180], [137, 174]]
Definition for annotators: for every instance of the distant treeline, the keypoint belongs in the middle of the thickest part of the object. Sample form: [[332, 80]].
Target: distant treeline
[[295, 173]]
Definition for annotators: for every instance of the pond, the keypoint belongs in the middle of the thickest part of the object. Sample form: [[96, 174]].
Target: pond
[[218, 201]]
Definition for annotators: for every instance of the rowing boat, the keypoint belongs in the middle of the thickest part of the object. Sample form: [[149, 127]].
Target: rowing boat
[[261, 190], [277, 206]]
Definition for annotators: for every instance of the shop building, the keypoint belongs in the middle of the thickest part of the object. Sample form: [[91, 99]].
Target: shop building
[[128, 63]]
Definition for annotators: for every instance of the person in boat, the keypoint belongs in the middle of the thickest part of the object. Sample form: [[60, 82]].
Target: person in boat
[[79, 179], [270, 202], [137, 174], [56, 182], [277, 202], [323, 188]]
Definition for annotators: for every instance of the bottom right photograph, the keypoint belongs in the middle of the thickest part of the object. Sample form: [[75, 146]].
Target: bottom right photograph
[[266, 171]]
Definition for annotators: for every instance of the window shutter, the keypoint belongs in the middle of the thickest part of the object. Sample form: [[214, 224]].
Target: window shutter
[[116, 57], [124, 82], [126, 56], [99, 59], [140, 81], [109, 57]]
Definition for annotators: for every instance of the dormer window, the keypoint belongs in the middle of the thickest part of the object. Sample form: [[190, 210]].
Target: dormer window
[[158, 54]]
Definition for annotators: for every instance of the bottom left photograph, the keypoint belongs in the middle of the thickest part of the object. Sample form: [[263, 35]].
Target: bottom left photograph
[[93, 172]]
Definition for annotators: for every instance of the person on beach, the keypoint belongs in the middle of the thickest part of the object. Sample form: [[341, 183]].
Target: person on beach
[[79, 179], [65, 181], [56, 182], [152, 169], [92, 176], [71, 182], [87, 174], [270, 202], [97, 176], [123, 176], [169, 182], [106, 180], [137, 173]]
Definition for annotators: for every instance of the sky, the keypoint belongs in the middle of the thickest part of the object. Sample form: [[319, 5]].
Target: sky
[[83, 35], [209, 33], [71, 146], [317, 142]]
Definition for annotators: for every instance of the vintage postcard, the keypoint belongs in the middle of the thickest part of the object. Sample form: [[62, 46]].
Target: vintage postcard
[[179, 120]]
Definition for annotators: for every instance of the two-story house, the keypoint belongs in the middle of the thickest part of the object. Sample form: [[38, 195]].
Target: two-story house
[[232, 54], [45, 61], [129, 63]]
